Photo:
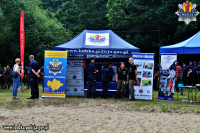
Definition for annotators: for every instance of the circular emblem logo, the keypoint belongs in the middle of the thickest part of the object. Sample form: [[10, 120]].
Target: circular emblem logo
[[75, 89], [172, 73]]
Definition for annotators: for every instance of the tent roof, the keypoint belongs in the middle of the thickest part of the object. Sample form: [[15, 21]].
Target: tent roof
[[115, 42], [189, 46]]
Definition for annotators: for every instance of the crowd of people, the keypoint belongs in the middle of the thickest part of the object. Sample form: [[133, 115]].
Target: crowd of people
[[124, 76], [32, 75]]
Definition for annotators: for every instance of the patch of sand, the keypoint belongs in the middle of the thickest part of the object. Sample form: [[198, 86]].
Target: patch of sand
[[99, 116]]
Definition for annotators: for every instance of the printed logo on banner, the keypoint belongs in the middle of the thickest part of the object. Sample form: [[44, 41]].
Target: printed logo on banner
[[55, 66], [187, 12], [140, 91], [148, 91], [75, 89], [74, 77], [97, 39], [172, 73], [55, 84]]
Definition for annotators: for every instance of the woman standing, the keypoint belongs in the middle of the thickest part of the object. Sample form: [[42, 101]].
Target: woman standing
[[16, 80]]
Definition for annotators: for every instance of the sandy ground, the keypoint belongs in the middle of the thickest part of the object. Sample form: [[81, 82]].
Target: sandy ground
[[99, 116]]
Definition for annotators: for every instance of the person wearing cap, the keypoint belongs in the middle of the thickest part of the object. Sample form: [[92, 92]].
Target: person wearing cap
[[178, 75], [105, 79], [194, 73], [132, 77], [189, 74], [122, 80], [184, 76], [91, 71], [198, 71], [155, 77]]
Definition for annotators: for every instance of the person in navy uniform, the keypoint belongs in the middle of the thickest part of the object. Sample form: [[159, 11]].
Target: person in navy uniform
[[33, 69], [198, 71], [189, 74], [105, 71], [91, 71], [194, 73], [111, 71], [184, 76]]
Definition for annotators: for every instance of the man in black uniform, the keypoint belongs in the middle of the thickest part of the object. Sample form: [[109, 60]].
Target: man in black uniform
[[194, 73], [33, 69], [122, 80], [91, 71], [111, 71], [189, 75], [8, 79], [132, 77], [198, 71], [105, 79]]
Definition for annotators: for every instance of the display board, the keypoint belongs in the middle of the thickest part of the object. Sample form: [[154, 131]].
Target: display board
[[75, 78], [167, 77], [143, 86], [55, 70]]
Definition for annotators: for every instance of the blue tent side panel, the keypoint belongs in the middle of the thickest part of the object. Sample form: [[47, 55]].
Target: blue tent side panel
[[189, 46]]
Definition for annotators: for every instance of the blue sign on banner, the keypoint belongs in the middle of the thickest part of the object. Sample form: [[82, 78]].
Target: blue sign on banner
[[143, 56], [55, 72]]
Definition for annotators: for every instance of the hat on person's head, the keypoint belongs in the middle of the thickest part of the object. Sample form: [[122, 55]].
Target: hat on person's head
[[190, 61], [122, 62], [184, 64], [195, 62]]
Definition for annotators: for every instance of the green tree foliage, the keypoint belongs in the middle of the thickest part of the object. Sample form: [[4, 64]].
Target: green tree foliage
[[78, 15], [41, 32]]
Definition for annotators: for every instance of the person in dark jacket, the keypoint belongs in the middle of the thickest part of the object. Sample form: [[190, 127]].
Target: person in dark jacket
[[91, 71], [105, 79], [8, 79], [189, 75], [111, 71]]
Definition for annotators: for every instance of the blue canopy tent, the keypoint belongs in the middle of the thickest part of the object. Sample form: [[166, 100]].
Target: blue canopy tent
[[189, 46], [99, 43]]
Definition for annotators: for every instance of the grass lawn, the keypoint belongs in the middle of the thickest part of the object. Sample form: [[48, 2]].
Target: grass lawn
[[153, 105]]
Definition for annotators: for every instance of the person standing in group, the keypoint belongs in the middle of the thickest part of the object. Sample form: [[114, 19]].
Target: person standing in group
[[189, 75], [111, 71], [8, 79], [33, 69], [194, 73], [91, 71], [132, 77], [122, 80], [184, 77], [178, 75], [105, 79], [27, 76], [16, 80], [198, 71]]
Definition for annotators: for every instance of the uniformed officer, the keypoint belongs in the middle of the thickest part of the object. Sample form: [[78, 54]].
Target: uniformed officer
[[91, 71], [111, 71], [33, 69], [105, 79], [198, 71], [189, 74], [184, 76], [155, 77], [8, 79], [132, 77], [122, 80], [194, 73]]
